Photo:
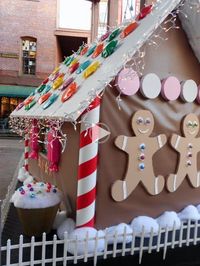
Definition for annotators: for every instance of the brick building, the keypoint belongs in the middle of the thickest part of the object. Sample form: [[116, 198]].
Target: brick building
[[32, 41]]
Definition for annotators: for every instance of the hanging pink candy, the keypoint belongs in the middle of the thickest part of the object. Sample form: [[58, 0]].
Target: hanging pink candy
[[53, 150], [34, 140]]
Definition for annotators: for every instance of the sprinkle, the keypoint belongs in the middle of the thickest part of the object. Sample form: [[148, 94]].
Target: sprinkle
[[54, 190]]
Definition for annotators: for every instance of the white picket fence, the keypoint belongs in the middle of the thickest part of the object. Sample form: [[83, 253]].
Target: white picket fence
[[55, 251]]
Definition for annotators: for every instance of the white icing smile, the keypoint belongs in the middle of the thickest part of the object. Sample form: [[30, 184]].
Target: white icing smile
[[143, 131], [192, 132]]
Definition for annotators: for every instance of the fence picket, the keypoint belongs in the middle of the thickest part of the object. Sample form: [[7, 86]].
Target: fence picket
[[8, 252], [106, 244], [54, 249], [96, 248], [43, 248], [115, 244], [124, 242], [158, 239], [150, 241], [165, 243], [133, 243], [181, 235], [173, 235], [188, 232], [21, 239], [141, 245], [65, 249], [32, 250], [195, 232], [86, 247]]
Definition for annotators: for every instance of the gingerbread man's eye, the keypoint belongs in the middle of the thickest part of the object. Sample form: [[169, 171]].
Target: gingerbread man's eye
[[195, 124], [189, 124], [148, 121], [140, 120]]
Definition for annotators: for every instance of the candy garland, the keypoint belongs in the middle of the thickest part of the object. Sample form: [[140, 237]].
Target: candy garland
[[26, 151], [87, 172], [34, 140]]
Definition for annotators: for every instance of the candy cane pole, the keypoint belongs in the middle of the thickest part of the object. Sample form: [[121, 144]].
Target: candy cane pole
[[26, 150], [87, 172]]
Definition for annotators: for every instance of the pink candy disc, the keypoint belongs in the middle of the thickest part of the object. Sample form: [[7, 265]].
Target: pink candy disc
[[189, 90], [128, 81], [150, 86], [171, 88]]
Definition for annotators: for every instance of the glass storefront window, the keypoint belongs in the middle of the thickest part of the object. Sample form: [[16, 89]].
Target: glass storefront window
[[29, 56]]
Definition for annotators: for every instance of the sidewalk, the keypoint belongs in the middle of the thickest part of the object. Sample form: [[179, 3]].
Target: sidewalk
[[10, 153]]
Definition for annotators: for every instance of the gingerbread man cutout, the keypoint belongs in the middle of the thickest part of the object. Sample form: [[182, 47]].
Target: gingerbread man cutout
[[140, 150], [188, 147]]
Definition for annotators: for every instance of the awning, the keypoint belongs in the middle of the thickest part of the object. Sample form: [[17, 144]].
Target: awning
[[15, 91]]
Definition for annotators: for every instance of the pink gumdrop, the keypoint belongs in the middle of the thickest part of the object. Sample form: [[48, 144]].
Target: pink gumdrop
[[171, 88], [198, 95], [128, 81]]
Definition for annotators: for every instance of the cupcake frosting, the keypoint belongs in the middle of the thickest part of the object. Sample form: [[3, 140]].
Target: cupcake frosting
[[36, 195]]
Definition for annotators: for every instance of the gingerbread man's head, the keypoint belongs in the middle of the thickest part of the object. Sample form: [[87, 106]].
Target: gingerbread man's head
[[143, 123], [191, 125]]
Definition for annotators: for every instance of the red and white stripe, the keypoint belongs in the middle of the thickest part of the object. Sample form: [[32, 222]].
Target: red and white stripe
[[26, 151], [87, 172]]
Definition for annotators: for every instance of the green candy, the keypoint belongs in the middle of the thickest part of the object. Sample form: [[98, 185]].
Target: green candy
[[41, 88], [114, 34], [30, 105], [91, 50], [68, 60], [109, 49]]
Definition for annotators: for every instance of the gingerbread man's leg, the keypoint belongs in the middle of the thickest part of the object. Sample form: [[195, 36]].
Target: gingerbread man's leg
[[121, 189], [193, 176], [175, 180], [154, 185]]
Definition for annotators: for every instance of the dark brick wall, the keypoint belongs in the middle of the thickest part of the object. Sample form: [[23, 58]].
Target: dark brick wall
[[20, 18]]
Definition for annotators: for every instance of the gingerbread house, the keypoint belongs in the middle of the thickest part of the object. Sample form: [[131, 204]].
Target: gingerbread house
[[139, 82]]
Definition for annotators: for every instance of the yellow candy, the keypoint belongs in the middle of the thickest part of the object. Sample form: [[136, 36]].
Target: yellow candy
[[57, 83], [91, 69], [55, 70], [74, 61]]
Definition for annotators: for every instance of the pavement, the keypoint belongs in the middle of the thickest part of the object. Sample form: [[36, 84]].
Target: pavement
[[11, 150]]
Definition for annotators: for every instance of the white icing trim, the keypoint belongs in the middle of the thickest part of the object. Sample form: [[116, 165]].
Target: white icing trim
[[124, 190], [124, 143], [159, 141], [198, 175], [177, 142], [174, 184], [156, 186]]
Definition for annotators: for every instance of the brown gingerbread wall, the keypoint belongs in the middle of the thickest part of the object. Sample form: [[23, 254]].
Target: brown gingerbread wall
[[173, 57]]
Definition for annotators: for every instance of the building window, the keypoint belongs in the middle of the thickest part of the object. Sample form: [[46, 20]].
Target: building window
[[29, 47]]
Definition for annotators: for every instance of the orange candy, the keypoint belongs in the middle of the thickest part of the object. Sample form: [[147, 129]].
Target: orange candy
[[128, 29], [98, 50], [44, 97], [84, 50], [70, 90], [28, 100]]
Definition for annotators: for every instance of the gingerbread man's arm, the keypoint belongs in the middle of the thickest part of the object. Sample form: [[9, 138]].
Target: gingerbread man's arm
[[175, 141], [159, 142], [121, 142]]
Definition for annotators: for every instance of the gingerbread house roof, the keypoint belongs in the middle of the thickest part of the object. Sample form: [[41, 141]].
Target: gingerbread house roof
[[93, 85]]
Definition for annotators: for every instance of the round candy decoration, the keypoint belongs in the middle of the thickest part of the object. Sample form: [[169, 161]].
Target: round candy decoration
[[150, 86], [189, 90], [128, 81], [171, 88]]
